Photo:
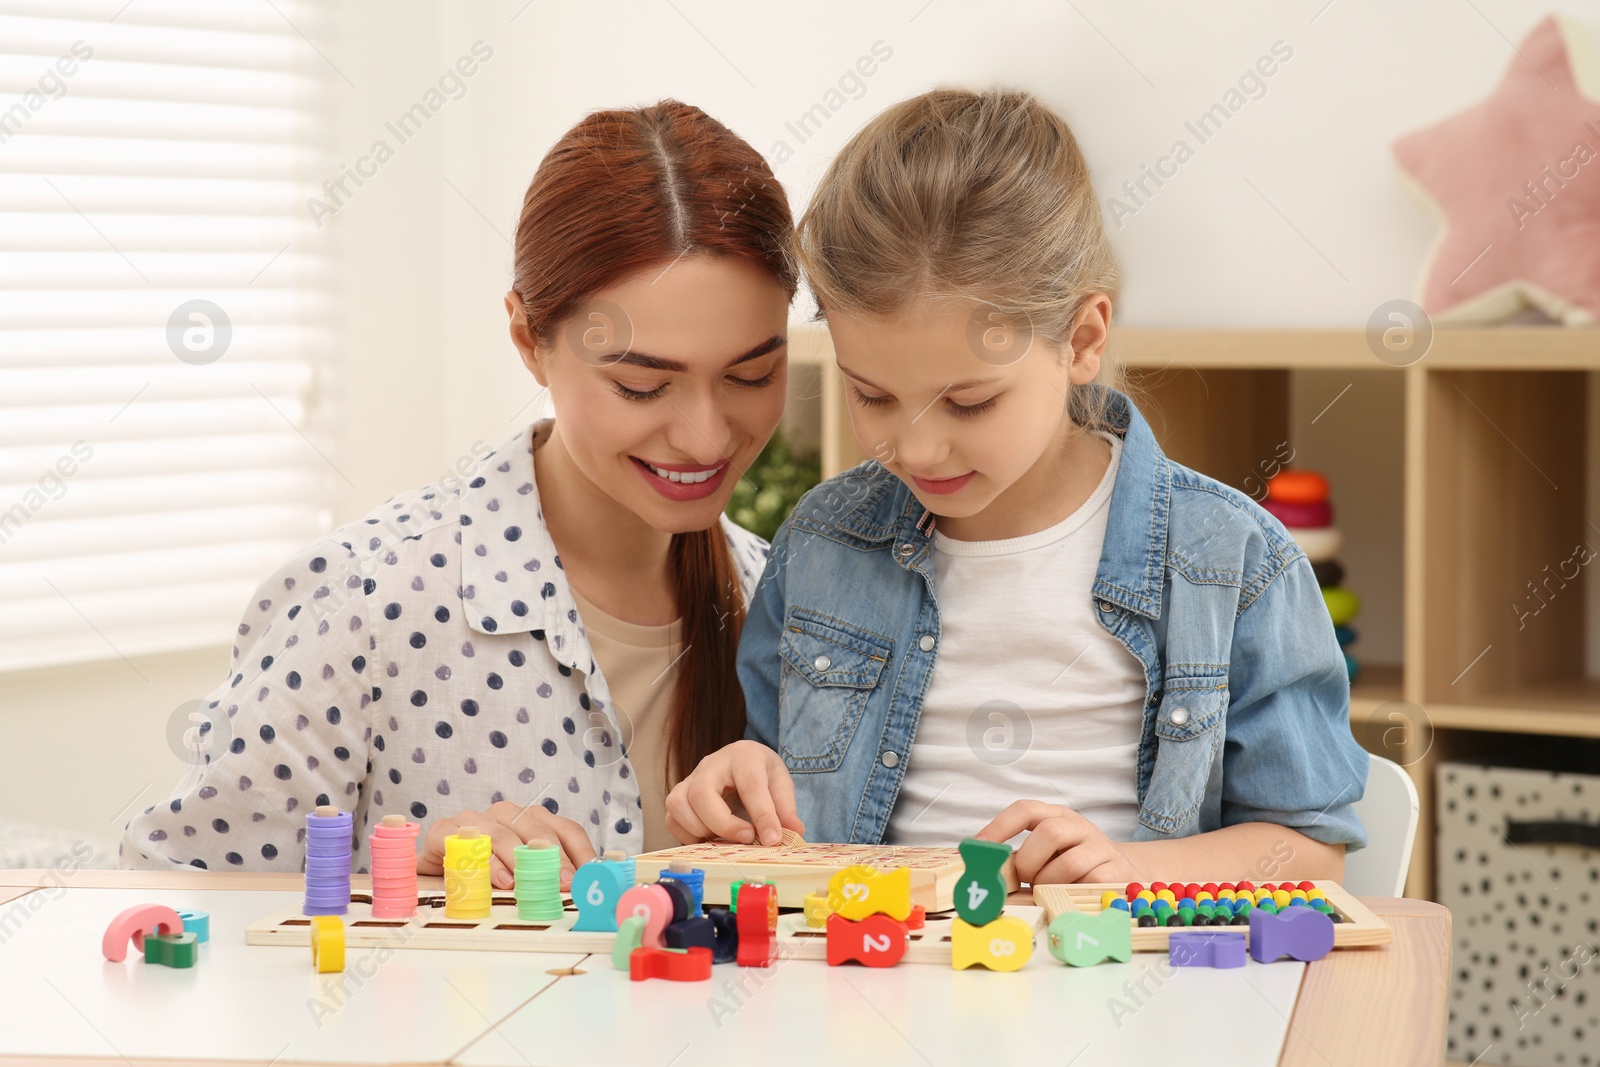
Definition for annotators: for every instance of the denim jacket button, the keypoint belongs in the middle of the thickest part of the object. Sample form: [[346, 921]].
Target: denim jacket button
[[822, 663], [906, 550], [1179, 716], [1105, 605], [891, 759], [926, 644]]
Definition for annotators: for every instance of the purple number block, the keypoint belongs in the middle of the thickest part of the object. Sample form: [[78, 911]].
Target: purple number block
[[1300, 933], [1206, 948]]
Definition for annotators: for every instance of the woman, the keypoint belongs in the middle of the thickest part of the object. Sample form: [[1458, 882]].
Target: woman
[[543, 649]]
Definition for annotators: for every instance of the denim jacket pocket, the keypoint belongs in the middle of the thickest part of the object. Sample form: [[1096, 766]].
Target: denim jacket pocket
[[1190, 727], [830, 667]]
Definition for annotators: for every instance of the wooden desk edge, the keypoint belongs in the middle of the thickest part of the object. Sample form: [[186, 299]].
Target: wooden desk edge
[[1400, 992]]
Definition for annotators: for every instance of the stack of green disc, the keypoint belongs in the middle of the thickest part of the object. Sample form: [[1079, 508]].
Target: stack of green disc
[[538, 882]]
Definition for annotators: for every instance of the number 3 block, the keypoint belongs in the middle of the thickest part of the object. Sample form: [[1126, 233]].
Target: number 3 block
[[1003, 945], [859, 891], [876, 941], [1083, 939], [981, 891]]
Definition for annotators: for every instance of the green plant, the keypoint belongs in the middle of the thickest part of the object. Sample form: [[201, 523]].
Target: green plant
[[771, 487]]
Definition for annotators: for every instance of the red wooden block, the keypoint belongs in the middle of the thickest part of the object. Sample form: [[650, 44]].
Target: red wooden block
[[133, 924], [876, 941], [693, 965], [758, 925], [918, 918]]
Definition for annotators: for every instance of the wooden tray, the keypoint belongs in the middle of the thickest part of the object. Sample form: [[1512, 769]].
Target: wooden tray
[[504, 931], [798, 869]]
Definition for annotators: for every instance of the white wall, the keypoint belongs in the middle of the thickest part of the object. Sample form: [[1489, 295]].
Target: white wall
[[1290, 215]]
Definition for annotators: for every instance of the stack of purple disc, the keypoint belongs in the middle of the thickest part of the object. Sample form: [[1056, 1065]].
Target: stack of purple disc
[[328, 844]]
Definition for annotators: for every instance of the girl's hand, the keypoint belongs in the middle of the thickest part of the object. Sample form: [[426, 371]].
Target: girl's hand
[[697, 807], [1062, 846], [509, 825]]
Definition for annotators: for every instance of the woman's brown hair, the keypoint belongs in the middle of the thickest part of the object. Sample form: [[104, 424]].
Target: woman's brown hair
[[626, 191]]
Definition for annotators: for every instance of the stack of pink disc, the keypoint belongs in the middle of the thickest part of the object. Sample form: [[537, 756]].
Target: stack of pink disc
[[394, 868]]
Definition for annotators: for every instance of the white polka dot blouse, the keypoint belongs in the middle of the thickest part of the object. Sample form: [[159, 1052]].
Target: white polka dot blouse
[[423, 661]]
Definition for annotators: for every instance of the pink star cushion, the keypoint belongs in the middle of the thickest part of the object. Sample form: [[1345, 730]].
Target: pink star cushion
[[1516, 180]]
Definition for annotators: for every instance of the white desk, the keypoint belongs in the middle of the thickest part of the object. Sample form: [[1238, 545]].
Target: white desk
[[60, 997]]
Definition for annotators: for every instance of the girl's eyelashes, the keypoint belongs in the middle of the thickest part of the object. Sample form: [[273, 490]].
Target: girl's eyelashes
[[967, 411], [634, 394], [869, 401], [660, 390], [962, 410]]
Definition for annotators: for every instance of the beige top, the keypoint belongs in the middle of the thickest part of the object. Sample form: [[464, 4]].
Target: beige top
[[640, 666]]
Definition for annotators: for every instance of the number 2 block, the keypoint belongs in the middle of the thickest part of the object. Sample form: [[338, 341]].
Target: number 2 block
[[1003, 945], [876, 941], [981, 891]]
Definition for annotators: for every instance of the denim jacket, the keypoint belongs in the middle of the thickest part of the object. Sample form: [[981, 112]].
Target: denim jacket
[[1246, 717]]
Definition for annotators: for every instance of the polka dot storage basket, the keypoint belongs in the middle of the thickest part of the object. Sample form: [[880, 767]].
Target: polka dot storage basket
[[1519, 869]]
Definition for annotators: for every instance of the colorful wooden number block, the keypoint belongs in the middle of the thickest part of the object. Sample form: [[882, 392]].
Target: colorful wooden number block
[[651, 903], [327, 944], [859, 891], [725, 935], [1206, 948], [1300, 933], [135, 924], [171, 950], [876, 941], [630, 935], [758, 925], [692, 965], [197, 923], [1083, 939], [980, 893], [1003, 945], [695, 931], [596, 889]]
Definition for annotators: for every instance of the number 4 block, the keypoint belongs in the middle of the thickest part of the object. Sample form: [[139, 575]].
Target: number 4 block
[[981, 891]]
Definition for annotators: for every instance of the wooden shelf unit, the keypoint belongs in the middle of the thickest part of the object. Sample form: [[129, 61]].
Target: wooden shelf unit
[[1465, 482]]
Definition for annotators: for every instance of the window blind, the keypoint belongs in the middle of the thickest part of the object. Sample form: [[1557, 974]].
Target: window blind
[[167, 431]]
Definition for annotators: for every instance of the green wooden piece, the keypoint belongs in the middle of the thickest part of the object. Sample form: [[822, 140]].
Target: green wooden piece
[[630, 935], [980, 892], [1083, 939], [171, 950]]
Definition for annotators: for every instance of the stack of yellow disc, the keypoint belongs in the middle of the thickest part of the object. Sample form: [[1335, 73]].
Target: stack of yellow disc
[[466, 874]]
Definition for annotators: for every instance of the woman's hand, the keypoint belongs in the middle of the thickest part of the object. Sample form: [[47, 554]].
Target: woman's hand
[[698, 810], [1062, 846], [509, 825]]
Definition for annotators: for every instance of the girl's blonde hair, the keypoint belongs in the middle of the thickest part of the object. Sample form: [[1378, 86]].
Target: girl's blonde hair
[[971, 196]]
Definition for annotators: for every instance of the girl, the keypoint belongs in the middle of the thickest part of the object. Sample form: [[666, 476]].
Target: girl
[[539, 648], [1020, 596]]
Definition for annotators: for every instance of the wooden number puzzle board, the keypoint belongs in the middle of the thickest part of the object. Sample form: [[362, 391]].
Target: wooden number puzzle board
[[1358, 927], [800, 869], [504, 931]]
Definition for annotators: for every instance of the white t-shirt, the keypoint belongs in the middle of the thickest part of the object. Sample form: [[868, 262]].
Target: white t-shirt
[[1030, 698]]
